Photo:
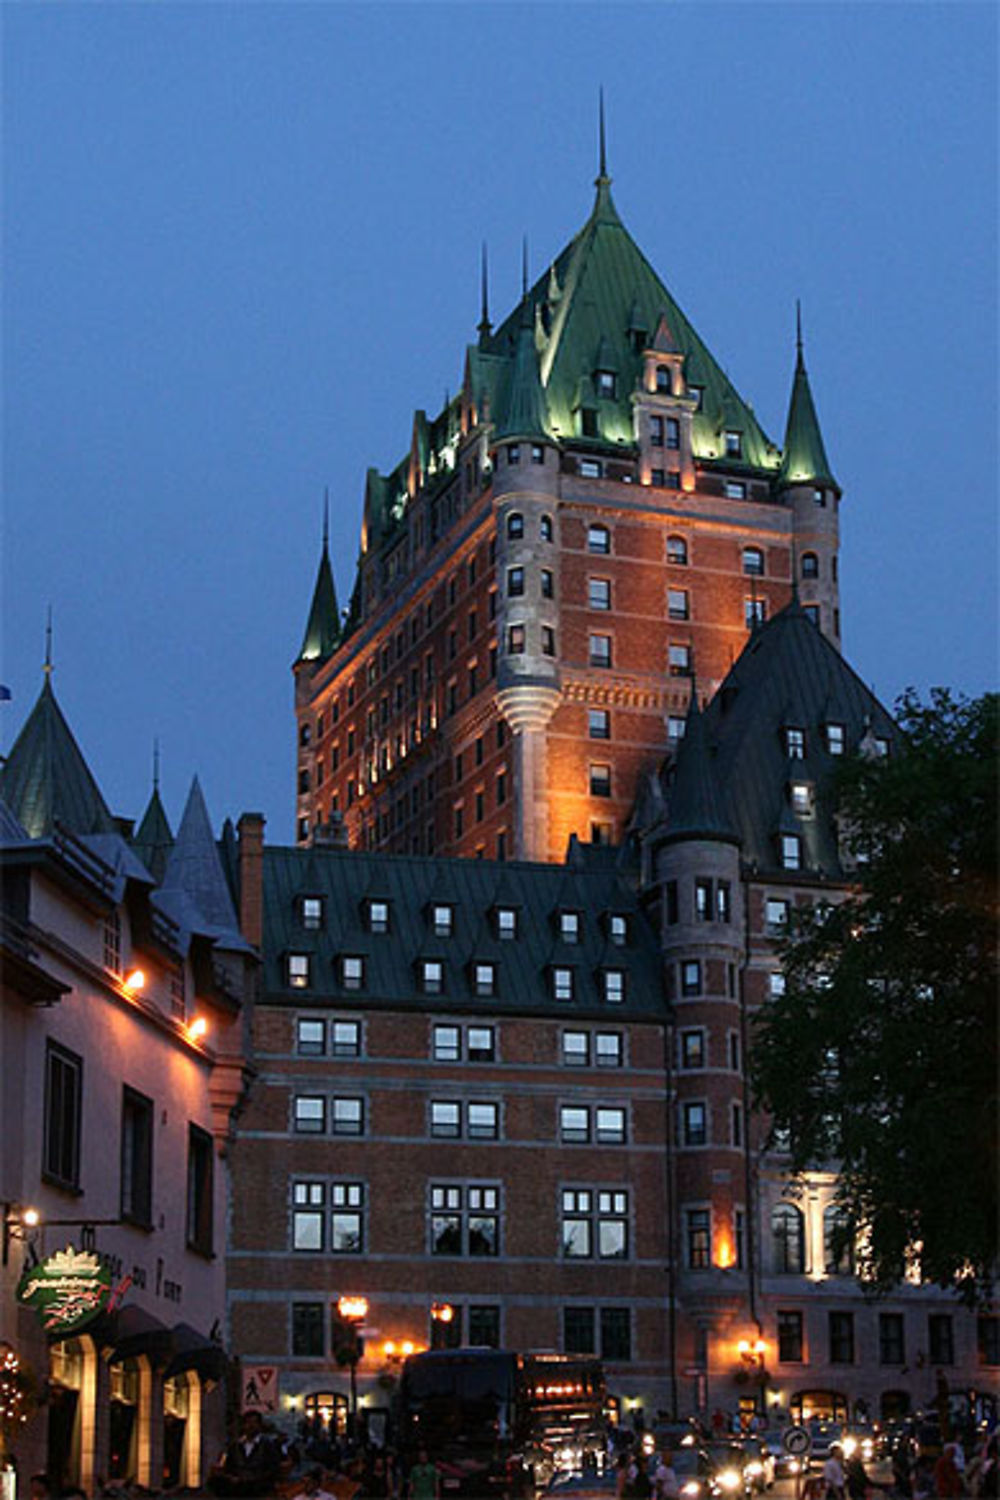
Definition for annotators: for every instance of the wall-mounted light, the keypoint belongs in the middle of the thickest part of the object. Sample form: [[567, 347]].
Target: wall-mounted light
[[197, 1029], [134, 981]]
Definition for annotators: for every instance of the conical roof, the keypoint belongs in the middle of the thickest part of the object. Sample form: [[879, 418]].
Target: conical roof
[[804, 459], [153, 840], [323, 627], [696, 807], [525, 415], [46, 780], [194, 869]]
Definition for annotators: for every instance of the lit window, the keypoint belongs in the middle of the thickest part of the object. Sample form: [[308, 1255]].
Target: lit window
[[310, 1114], [484, 979], [598, 539], [679, 660], [352, 972], [699, 1239], [515, 640], [310, 1037], [431, 976], [695, 1124], [614, 986], [311, 913], [600, 650], [298, 967], [378, 916], [569, 926], [735, 489], [442, 919], [600, 780], [562, 984], [506, 923], [599, 723], [677, 604], [692, 1049], [347, 1116], [606, 384], [677, 551], [599, 593], [801, 795]]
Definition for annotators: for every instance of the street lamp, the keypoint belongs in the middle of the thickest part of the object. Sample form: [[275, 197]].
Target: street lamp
[[442, 1316], [752, 1367], [352, 1312]]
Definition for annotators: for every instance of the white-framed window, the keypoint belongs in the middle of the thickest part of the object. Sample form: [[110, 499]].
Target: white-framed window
[[298, 967], [310, 1036], [308, 1215], [347, 1115], [776, 984], [562, 983], [352, 972], [309, 1114], [431, 973], [694, 1117], [484, 979], [465, 1219], [835, 739], [599, 593], [569, 926], [791, 851], [598, 538], [795, 743], [678, 605], [600, 650], [442, 919], [614, 986], [594, 1223]]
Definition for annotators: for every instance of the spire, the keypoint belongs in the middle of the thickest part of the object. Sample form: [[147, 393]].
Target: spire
[[526, 414], [604, 208], [524, 267], [194, 869], [47, 664], [153, 840], [602, 169], [485, 327], [323, 626], [804, 459], [46, 780], [696, 807]]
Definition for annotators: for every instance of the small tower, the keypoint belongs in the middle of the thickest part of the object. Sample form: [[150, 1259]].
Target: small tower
[[525, 494], [321, 639], [813, 494]]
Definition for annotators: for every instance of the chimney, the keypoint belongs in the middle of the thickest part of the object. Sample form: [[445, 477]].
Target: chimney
[[251, 864]]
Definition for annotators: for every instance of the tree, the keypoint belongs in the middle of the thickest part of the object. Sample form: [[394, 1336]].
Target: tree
[[881, 1055]]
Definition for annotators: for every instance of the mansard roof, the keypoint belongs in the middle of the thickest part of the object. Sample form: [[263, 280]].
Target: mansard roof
[[344, 880], [789, 675], [46, 780]]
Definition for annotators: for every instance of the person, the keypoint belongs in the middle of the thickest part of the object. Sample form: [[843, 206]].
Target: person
[[833, 1474], [902, 1473], [376, 1480], [424, 1480], [312, 1486], [249, 1465], [622, 1475], [989, 1470], [639, 1486], [947, 1480], [856, 1479], [666, 1485]]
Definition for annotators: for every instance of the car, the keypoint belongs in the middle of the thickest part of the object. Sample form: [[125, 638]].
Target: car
[[760, 1466], [727, 1464], [859, 1439], [824, 1436], [785, 1465]]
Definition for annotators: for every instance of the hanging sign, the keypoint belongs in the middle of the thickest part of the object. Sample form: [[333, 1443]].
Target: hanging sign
[[67, 1291]]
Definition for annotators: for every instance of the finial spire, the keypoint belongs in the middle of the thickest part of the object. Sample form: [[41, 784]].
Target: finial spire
[[485, 326], [798, 327], [47, 665], [326, 517], [156, 765], [524, 265], [603, 165]]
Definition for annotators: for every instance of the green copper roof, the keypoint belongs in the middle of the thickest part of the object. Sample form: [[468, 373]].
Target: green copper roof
[[607, 288], [525, 415], [804, 460], [323, 628], [153, 840], [46, 779]]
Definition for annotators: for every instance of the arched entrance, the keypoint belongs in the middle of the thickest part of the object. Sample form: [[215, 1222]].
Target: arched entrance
[[72, 1413], [182, 1430]]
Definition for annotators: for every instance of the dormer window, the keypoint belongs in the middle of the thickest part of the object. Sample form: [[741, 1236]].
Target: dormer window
[[791, 851], [569, 926], [311, 913], [835, 743], [618, 929], [607, 384], [378, 916], [734, 444], [297, 970], [614, 986], [442, 919], [506, 923], [352, 972], [484, 979], [800, 795], [664, 379], [431, 974], [562, 984], [795, 744]]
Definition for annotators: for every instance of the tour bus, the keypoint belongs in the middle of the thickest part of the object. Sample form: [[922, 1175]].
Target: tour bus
[[496, 1421]]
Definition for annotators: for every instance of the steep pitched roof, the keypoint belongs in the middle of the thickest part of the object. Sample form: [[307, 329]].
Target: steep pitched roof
[[46, 779], [787, 676], [697, 802], [323, 626], [194, 890], [525, 414], [153, 840], [804, 459]]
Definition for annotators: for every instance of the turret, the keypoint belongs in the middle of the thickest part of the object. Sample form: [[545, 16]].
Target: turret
[[808, 485]]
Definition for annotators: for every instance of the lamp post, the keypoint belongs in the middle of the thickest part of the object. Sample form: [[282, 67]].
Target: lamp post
[[352, 1312], [752, 1353], [442, 1316]]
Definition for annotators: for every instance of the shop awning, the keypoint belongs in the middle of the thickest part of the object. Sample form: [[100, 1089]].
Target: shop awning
[[131, 1331], [191, 1350]]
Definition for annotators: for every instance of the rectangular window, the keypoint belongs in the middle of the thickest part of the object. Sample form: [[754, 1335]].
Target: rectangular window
[[723, 904], [113, 943], [431, 976], [678, 607], [598, 723], [307, 1329], [616, 1333], [309, 1114], [347, 1116], [345, 1038], [703, 900], [548, 584], [137, 1158], [594, 1223], [598, 539], [608, 1049], [891, 1346], [447, 1043], [297, 971], [574, 1123], [835, 742], [735, 489], [515, 640], [776, 916], [679, 660], [941, 1343], [600, 650], [346, 1218], [484, 979], [200, 1205], [576, 1049], [590, 468], [614, 986], [308, 1200], [988, 1340], [484, 1326], [691, 977], [656, 432], [482, 1122], [695, 1124], [609, 1125], [310, 1037], [442, 920], [795, 744], [675, 727], [600, 780], [506, 923], [841, 1325], [548, 641], [699, 1239], [562, 984], [63, 1100], [673, 433], [578, 1330], [791, 851], [446, 1118], [599, 593], [311, 911], [465, 1221], [754, 612], [515, 582], [352, 972], [569, 926], [692, 1049], [789, 1337], [480, 1044]]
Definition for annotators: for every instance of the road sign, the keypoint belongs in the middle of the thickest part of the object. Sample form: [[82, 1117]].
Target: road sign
[[796, 1441], [260, 1388]]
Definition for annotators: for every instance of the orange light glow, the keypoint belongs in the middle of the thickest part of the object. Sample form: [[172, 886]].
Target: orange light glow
[[724, 1256], [352, 1308], [442, 1312], [389, 1348], [134, 981], [197, 1029], [407, 1347]]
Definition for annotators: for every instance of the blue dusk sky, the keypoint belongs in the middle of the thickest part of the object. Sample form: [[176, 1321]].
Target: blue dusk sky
[[241, 245]]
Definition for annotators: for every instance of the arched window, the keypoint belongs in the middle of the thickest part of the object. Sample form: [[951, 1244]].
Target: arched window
[[677, 551], [788, 1234], [838, 1251], [810, 565], [515, 526], [753, 561], [545, 528]]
